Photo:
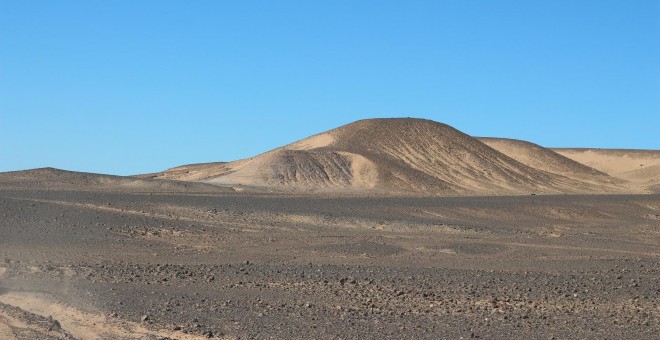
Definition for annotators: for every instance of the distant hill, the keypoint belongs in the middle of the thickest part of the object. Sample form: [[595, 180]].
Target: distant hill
[[51, 178], [639, 167], [405, 155]]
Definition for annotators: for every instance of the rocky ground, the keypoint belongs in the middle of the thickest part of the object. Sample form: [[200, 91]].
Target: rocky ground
[[82, 264]]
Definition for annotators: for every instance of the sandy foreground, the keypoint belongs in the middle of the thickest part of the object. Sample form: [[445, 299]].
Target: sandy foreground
[[130, 265]]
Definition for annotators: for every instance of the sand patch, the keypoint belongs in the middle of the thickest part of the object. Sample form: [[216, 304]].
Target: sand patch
[[363, 171], [5, 330], [314, 142], [80, 324]]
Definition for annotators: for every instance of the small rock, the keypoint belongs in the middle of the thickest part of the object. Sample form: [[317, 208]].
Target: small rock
[[53, 324]]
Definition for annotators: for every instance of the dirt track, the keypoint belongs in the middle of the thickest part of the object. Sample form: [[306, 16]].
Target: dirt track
[[246, 265]]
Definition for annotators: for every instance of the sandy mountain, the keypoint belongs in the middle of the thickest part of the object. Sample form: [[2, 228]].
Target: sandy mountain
[[397, 155], [51, 178], [640, 167]]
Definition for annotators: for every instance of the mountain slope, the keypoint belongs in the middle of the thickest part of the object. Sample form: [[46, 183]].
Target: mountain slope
[[544, 159], [394, 155]]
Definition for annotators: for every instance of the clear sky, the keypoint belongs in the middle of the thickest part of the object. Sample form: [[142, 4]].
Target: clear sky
[[127, 87]]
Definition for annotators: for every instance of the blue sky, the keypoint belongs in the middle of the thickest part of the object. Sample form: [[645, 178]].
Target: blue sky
[[127, 87]]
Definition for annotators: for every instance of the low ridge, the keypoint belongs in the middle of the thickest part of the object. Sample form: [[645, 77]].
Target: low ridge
[[62, 179], [540, 158], [641, 168]]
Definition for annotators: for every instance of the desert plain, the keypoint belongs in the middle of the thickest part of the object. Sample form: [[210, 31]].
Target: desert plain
[[381, 229]]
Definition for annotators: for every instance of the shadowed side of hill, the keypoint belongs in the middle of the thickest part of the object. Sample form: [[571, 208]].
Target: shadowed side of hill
[[51, 178], [394, 155]]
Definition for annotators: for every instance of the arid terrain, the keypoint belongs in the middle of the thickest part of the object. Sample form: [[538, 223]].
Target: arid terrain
[[641, 168], [405, 156], [396, 229]]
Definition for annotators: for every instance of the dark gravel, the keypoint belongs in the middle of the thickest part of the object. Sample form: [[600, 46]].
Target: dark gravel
[[275, 266]]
